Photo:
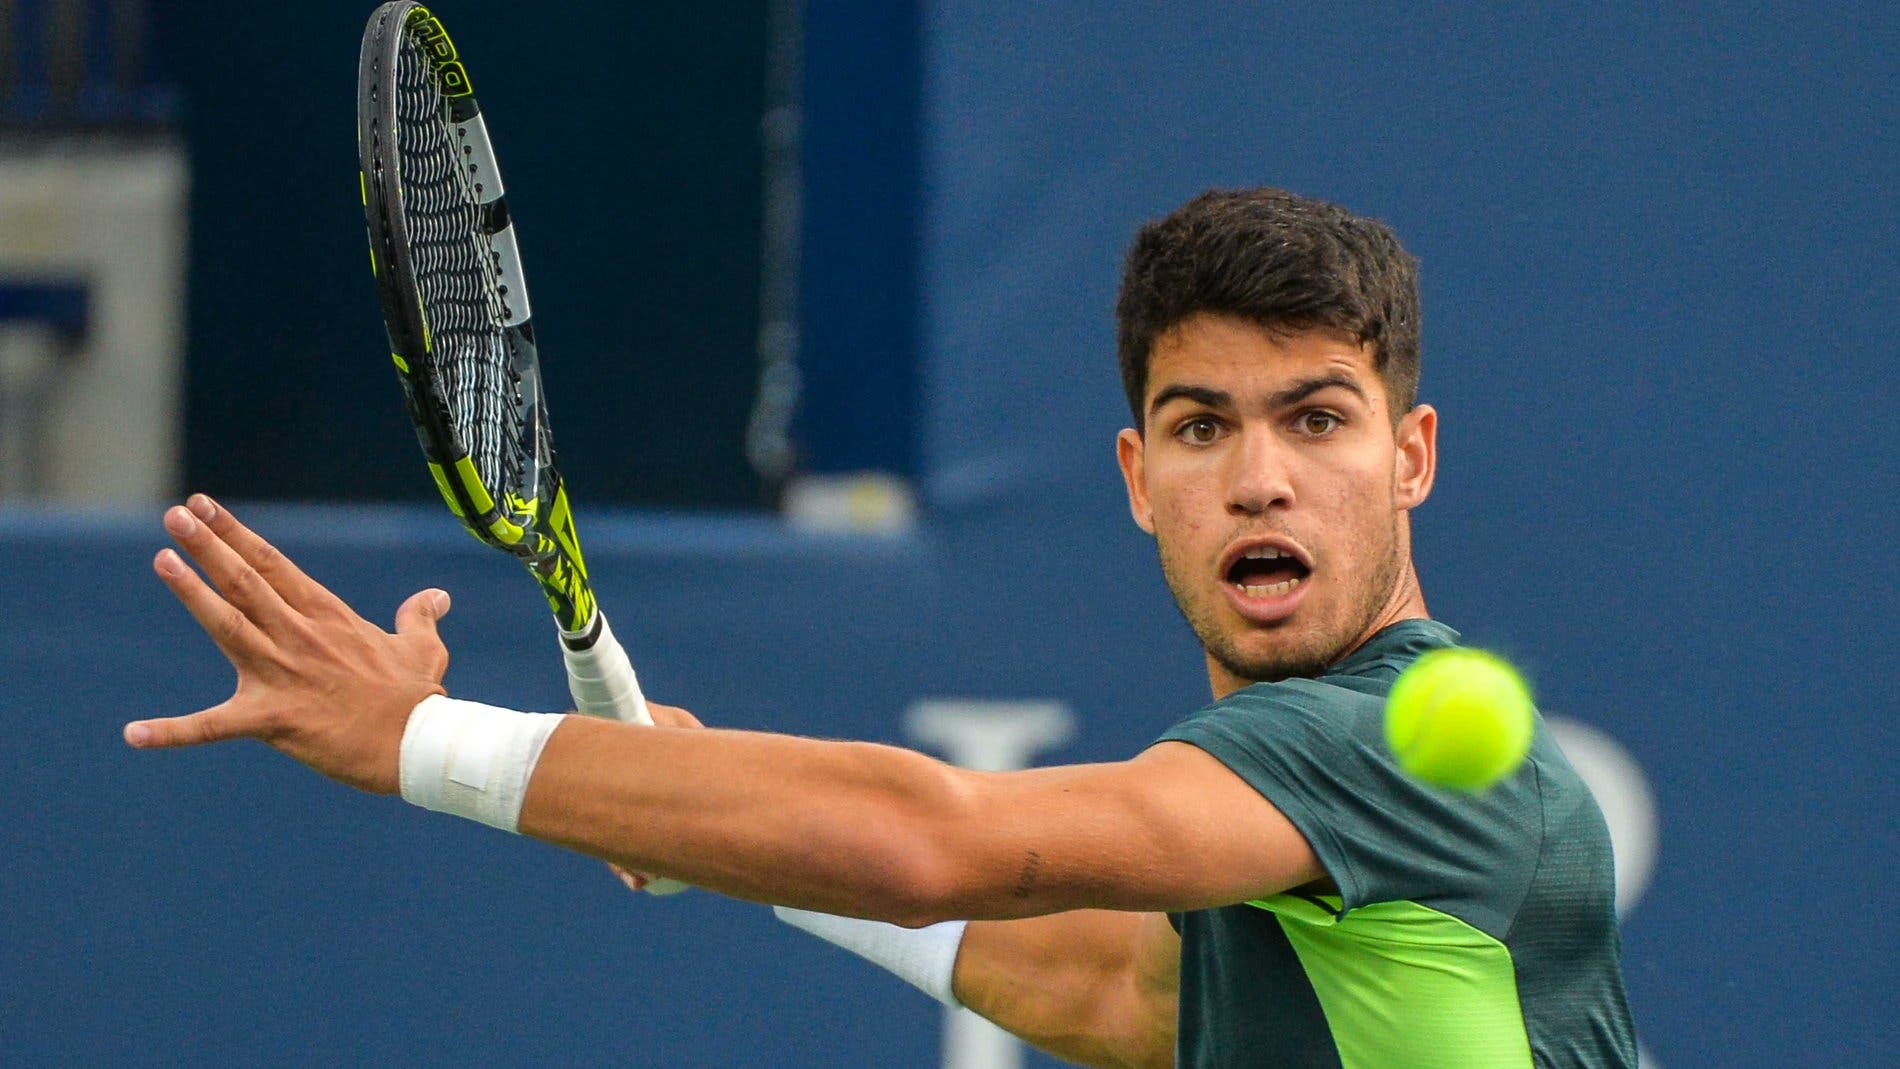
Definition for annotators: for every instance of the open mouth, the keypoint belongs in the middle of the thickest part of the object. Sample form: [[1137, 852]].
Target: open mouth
[[1266, 572]]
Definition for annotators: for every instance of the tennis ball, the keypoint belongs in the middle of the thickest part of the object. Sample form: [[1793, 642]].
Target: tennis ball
[[1459, 718]]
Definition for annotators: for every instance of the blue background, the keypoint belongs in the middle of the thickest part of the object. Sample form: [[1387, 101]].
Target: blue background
[[1660, 291]]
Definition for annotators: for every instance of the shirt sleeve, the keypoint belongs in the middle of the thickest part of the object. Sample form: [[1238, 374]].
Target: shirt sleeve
[[1381, 834]]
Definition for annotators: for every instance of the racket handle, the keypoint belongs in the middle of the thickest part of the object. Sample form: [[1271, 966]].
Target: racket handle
[[600, 678]]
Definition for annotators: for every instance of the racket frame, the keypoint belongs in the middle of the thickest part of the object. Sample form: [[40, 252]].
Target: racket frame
[[539, 530]]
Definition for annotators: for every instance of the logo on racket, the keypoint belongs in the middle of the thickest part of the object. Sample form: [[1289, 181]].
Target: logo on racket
[[451, 77]]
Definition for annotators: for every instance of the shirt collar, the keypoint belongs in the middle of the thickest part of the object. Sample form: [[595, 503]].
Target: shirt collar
[[1395, 646]]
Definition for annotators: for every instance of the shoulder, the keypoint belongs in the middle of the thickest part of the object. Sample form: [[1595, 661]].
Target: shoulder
[[1341, 710], [1316, 749]]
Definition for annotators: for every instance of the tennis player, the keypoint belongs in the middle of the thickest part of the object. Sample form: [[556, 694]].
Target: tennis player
[[1262, 886]]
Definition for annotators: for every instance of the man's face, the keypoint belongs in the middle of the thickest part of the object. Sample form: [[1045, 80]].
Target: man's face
[[1276, 484]]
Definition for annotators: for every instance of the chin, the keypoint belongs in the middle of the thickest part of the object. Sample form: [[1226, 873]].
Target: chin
[[1272, 667], [1279, 672]]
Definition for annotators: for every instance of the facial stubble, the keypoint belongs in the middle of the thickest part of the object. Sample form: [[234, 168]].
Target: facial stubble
[[1314, 646]]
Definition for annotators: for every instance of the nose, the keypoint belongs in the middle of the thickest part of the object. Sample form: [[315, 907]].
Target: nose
[[1259, 476]]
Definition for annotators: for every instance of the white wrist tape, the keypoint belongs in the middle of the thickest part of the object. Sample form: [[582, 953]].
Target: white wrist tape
[[925, 958], [472, 760]]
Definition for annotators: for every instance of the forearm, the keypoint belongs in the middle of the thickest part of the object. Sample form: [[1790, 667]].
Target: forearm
[[848, 828], [1072, 984]]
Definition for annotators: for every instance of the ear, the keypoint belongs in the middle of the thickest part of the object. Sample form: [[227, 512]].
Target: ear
[[1128, 453], [1416, 444]]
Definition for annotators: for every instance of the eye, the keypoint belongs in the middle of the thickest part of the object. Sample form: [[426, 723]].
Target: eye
[[1201, 430], [1318, 423]]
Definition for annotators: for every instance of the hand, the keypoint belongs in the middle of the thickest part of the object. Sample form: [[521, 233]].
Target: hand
[[315, 680], [666, 716], [672, 716]]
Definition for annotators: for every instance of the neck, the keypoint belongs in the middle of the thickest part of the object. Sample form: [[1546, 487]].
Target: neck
[[1405, 602]]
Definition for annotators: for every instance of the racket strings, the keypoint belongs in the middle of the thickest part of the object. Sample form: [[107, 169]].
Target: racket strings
[[471, 349]]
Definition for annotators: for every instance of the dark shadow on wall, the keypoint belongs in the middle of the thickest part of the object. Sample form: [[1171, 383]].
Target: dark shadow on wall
[[628, 135]]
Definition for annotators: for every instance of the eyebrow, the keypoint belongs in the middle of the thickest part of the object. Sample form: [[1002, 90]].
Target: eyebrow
[[1200, 395], [1305, 388], [1292, 395]]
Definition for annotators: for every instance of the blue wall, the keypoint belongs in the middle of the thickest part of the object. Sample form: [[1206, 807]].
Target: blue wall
[[1661, 321], [858, 270], [223, 907]]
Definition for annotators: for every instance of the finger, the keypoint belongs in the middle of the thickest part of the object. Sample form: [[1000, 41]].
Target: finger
[[672, 716], [236, 635], [215, 724], [416, 619], [634, 881], [297, 589], [242, 585]]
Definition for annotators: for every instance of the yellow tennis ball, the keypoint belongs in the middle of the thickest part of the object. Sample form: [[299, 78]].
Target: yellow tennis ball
[[1459, 718]]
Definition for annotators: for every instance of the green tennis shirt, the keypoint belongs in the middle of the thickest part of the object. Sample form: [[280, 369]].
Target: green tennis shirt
[[1465, 931]]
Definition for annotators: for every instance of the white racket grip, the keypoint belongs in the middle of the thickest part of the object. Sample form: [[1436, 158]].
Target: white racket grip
[[601, 679]]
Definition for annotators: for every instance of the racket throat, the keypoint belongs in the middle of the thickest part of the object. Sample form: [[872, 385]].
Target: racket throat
[[584, 639]]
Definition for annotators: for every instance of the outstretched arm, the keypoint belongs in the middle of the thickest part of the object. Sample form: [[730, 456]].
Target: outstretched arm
[[875, 831], [851, 828]]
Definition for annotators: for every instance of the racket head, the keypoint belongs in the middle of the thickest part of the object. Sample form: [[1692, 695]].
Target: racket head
[[455, 301]]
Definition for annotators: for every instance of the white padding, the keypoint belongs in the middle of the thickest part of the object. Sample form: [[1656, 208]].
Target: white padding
[[925, 958], [505, 260], [478, 161], [472, 760]]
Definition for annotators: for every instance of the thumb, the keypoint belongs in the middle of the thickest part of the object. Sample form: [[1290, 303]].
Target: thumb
[[419, 614]]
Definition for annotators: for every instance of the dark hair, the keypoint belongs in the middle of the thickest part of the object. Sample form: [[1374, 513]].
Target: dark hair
[[1280, 260]]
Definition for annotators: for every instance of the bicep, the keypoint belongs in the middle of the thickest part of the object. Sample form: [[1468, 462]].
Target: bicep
[[1171, 829], [1156, 959], [1239, 846]]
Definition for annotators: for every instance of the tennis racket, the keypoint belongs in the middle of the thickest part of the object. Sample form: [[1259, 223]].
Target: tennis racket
[[461, 332]]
